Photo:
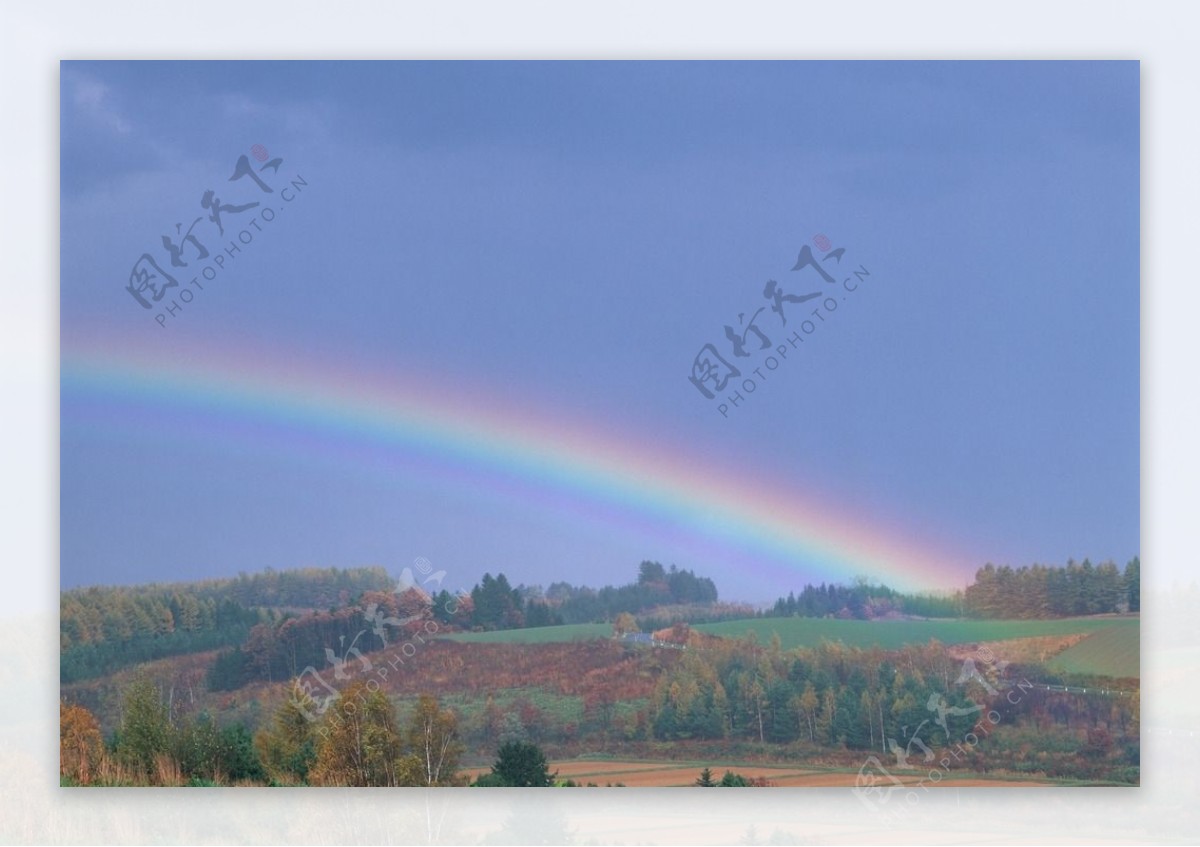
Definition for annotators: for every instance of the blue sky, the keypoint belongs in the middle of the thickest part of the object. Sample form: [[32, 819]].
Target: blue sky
[[570, 234]]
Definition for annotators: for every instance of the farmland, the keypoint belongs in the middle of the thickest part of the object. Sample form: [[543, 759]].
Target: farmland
[[784, 700], [536, 635], [1113, 651], [810, 632], [660, 774]]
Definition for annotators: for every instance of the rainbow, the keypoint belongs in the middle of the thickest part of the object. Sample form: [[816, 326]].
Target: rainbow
[[476, 440]]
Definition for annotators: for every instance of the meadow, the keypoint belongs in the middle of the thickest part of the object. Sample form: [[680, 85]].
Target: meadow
[[535, 635], [1113, 651], [1111, 648], [890, 635]]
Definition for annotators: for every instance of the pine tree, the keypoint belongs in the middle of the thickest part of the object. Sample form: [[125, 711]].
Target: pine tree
[[522, 765], [1133, 584]]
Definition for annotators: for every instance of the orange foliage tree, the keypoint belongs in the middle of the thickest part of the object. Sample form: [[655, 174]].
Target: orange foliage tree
[[80, 747]]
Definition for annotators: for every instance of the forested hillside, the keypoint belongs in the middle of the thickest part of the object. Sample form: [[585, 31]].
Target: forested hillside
[[634, 677], [998, 593], [103, 628]]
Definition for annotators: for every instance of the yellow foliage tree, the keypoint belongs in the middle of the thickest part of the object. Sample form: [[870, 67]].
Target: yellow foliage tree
[[358, 742]]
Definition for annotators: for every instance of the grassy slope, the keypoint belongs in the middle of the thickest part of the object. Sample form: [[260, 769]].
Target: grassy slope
[[1114, 651], [808, 632], [537, 635]]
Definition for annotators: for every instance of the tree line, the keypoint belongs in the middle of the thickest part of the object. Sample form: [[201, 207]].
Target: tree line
[[496, 604], [105, 628], [862, 600], [361, 740], [655, 586], [1037, 591], [358, 742], [1031, 592], [834, 696]]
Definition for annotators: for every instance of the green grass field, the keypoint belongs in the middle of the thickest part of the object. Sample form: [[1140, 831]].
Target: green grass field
[[537, 635], [808, 632], [1114, 651]]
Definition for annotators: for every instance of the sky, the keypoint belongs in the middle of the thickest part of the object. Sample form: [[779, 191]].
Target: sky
[[462, 321]]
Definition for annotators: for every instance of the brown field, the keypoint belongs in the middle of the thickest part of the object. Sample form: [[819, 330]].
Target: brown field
[[659, 775]]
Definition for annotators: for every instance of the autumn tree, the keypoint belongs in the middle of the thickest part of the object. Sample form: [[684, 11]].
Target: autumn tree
[[288, 747], [809, 705], [624, 624], [432, 738], [80, 746], [359, 744]]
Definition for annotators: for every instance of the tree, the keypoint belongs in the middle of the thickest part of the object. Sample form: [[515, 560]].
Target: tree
[[496, 604], [734, 780], [520, 764], [539, 613], [145, 732], [80, 746], [808, 708], [705, 780], [238, 758], [359, 743], [432, 737], [755, 696], [1109, 588], [826, 715], [1133, 584], [207, 751], [197, 748], [287, 748], [651, 572], [624, 624]]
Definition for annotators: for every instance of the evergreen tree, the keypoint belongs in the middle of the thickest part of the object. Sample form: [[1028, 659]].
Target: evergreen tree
[[520, 764], [1133, 584], [734, 780]]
